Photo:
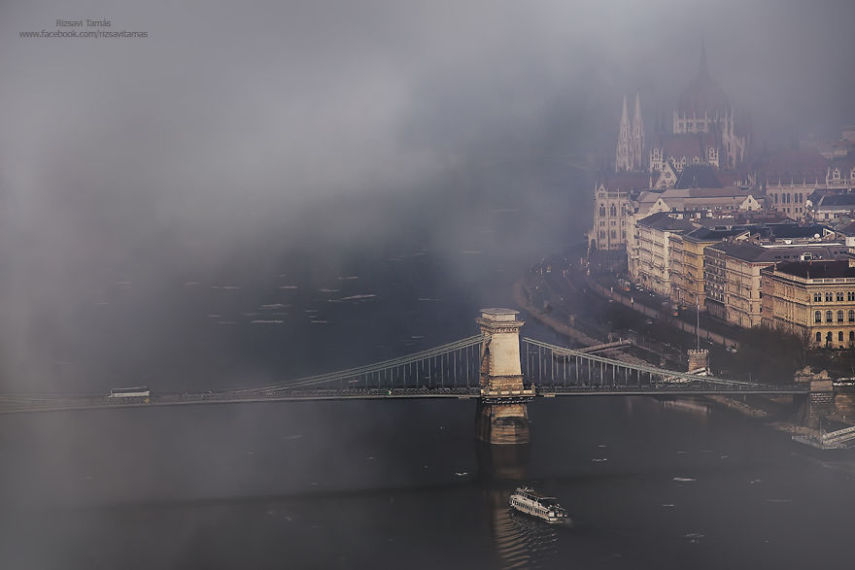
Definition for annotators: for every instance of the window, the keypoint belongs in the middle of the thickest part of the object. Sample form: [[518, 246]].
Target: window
[[828, 318], [840, 336], [828, 298], [851, 336], [613, 211], [839, 316], [852, 316], [817, 317], [850, 295], [817, 297], [818, 337], [840, 295], [602, 211]]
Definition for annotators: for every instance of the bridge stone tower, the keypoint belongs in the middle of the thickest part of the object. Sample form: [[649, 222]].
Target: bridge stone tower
[[502, 413]]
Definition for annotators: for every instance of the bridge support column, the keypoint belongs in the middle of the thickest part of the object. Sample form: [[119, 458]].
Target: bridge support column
[[699, 360], [502, 416]]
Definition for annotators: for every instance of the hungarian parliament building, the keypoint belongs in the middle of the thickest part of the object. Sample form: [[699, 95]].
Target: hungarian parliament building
[[680, 200]]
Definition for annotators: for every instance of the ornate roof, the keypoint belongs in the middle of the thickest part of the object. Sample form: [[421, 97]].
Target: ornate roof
[[703, 95], [698, 176], [625, 181], [794, 166], [688, 144]]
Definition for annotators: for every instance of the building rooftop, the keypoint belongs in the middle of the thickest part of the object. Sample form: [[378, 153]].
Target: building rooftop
[[686, 145], [755, 253], [703, 95], [792, 231], [698, 176], [817, 269], [847, 230], [706, 192], [715, 234], [835, 201], [624, 181], [794, 166], [663, 221]]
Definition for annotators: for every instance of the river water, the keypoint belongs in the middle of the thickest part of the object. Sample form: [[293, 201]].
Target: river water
[[385, 484], [648, 484]]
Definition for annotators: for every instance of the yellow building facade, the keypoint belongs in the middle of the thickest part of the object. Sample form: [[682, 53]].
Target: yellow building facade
[[814, 300], [687, 263]]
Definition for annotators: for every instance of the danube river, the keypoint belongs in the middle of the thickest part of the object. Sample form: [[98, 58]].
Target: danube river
[[648, 484], [383, 484]]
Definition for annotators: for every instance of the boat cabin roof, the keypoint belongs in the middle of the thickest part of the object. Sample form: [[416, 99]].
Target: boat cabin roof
[[531, 493]]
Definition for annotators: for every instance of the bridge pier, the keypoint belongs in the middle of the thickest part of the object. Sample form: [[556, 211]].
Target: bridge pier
[[502, 416]]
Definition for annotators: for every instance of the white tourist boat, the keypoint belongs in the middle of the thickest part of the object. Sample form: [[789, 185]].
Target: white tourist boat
[[527, 500]]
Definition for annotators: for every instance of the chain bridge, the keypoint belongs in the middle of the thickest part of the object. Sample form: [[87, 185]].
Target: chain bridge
[[495, 367]]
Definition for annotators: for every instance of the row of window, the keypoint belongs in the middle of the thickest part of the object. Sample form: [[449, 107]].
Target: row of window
[[612, 211], [835, 174], [613, 234], [829, 336], [788, 198], [817, 316], [830, 296]]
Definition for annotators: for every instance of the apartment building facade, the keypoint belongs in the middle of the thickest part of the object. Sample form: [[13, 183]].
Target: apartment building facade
[[812, 299]]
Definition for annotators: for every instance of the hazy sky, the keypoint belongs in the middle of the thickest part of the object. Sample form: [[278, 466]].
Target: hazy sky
[[230, 119], [230, 103]]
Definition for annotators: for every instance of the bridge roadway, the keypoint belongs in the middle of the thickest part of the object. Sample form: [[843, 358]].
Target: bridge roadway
[[447, 371], [29, 404]]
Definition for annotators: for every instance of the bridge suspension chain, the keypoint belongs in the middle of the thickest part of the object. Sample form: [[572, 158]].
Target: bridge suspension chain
[[377, 368], [638, 368]]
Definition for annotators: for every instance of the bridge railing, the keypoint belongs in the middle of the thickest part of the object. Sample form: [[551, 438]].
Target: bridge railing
[[557, 367]]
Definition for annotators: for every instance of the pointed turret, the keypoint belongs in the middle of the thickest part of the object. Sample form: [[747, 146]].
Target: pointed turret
[[637, 144], [703, 71], [623, 160]]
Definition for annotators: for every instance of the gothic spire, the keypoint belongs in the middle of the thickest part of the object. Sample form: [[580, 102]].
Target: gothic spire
[[637, 142], [623, 162], [702, 68]]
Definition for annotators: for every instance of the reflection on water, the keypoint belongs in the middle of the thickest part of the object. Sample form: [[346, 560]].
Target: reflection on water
[[275, 486], [520, 541], [523, 541]]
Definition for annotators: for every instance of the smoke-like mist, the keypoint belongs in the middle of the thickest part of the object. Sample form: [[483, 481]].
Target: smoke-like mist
[[227, 127], [247, 153]]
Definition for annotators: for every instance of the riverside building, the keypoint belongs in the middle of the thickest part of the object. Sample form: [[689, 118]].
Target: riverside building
[[732, 275], [812, 299]]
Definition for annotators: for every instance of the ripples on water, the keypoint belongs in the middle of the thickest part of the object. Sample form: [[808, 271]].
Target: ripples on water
[[525, 542]]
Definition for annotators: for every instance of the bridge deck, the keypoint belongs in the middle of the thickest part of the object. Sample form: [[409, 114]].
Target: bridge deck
[[76, 404], [452, 370]]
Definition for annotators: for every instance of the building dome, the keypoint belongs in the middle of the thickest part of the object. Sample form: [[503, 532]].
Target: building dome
[[703, 95]]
